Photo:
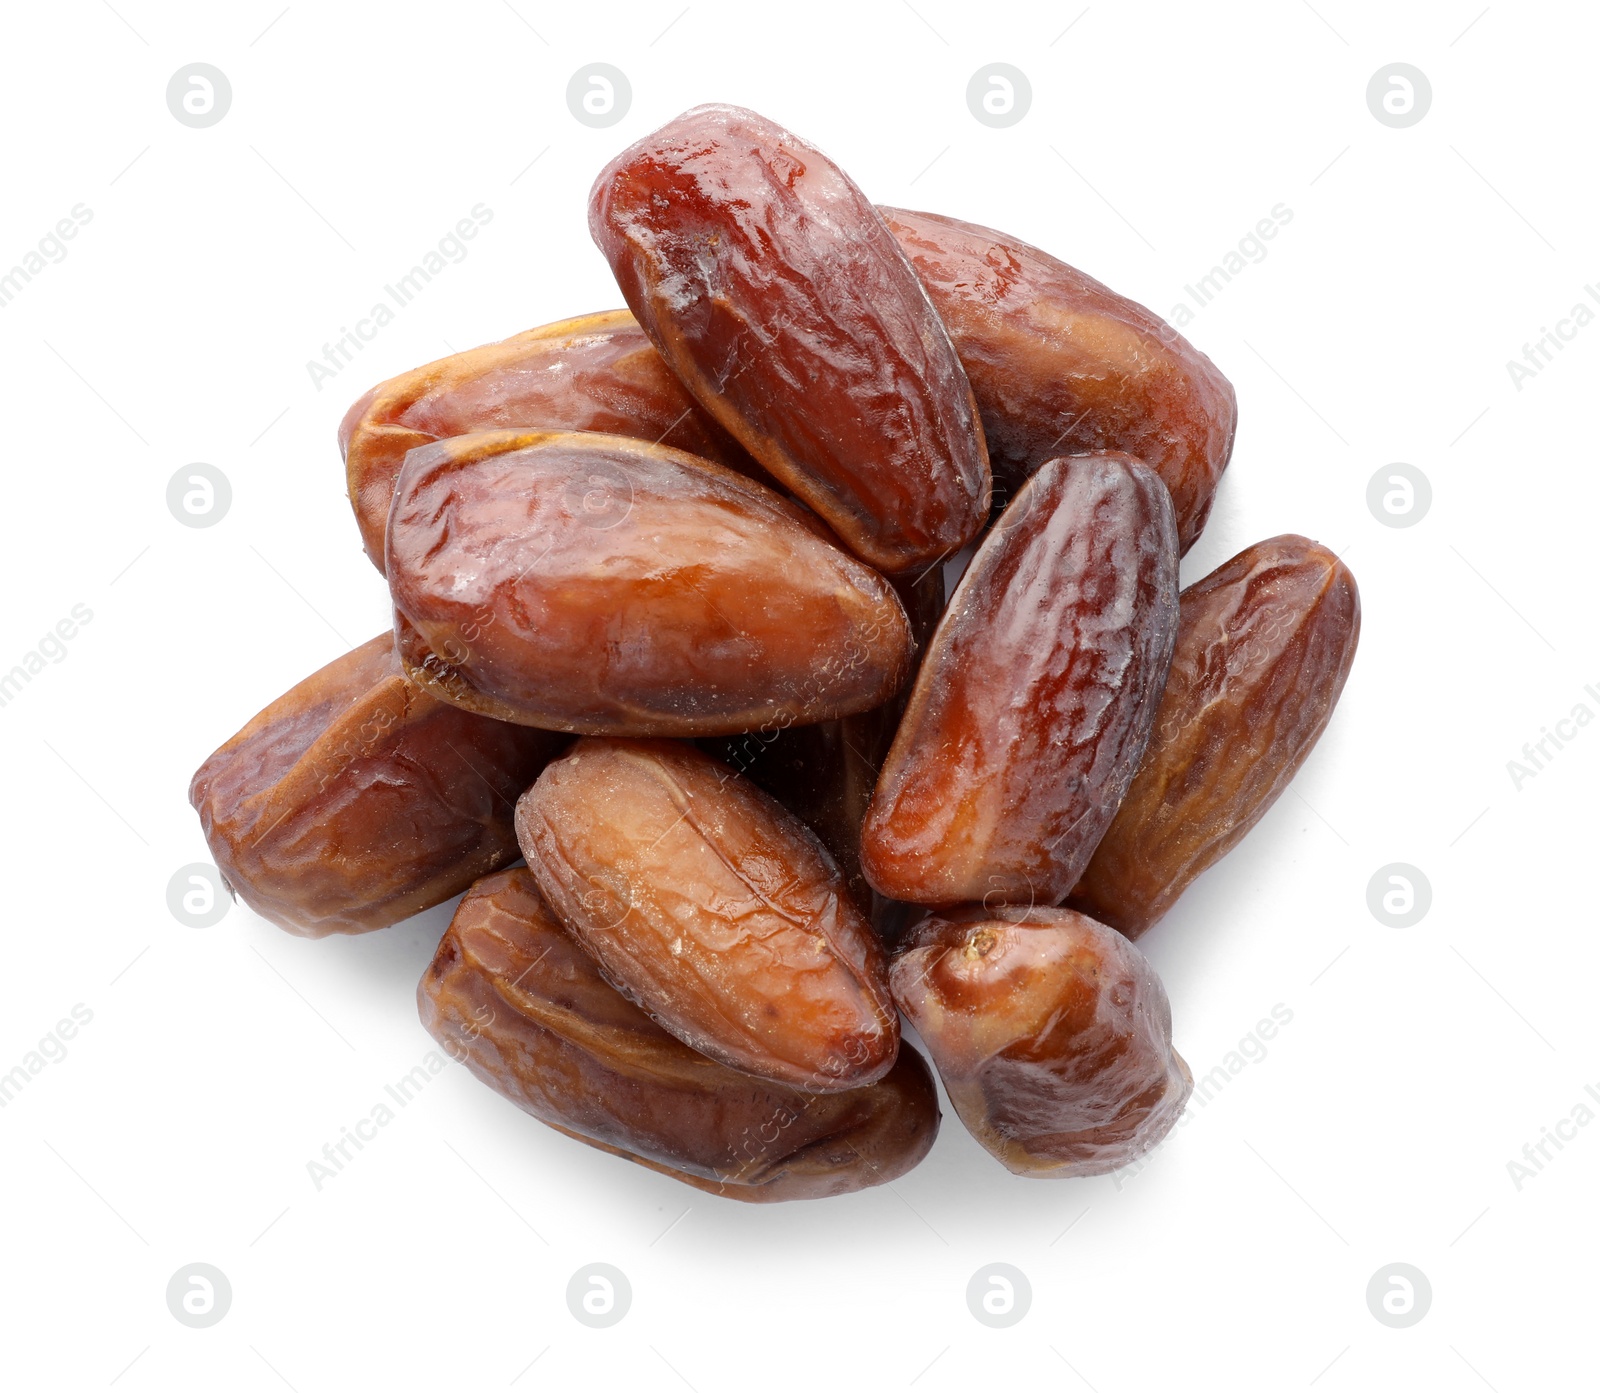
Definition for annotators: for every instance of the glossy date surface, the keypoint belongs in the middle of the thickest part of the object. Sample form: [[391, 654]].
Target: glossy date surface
[[714, 909], [596, 372], [601, 585], [1062, 365], [1052, 1033], [774, 290], [1265, 643], [1031, 709], [511, 995], [356, 799]]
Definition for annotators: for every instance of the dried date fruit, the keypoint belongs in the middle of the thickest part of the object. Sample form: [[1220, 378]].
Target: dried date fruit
[[1032, 707], [511, 995], [1052, 1034], [1265, 643], [596, 584], [773, 289], [1061, 365], [356, 800], [825, 773], [596, 372], [714, 909]]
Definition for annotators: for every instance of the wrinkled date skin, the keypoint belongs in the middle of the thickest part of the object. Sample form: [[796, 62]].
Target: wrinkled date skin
[[597, 372], [773, 289], [1031, 710], [714, 909], [513, 997], [1265, 643], [1052, 1034], [1061, 365], [600, 585], [825, 773], [356, 800]]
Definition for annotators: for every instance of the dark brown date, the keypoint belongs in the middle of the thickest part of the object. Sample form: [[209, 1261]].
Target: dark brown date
[[1052, 1034], [714, 909], [596, 372], [595, 584], [773, 289], [356, 800], [1031, 710], [1265, 643], [514, 997], [1061, 365]]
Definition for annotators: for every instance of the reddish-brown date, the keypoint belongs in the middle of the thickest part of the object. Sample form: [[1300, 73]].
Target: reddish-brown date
[[356, 800], [775, 292], [714, 909], [824, 773], [512, 996], [1061, 365], [1265, 643], [596, 372], [1031, 710], [1052, 1034], [596, 584]]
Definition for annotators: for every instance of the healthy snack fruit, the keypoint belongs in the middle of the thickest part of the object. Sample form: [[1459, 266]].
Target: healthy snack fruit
[[513, 997], [596, 372], [714, 909], [1265, 643], [356, 800], [597, 584], [1031, 710], [773, 289], [1052, 1034], [708, 536], [1061, 365]]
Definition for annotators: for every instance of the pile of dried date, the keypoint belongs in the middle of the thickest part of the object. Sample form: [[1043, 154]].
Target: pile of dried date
[[708, 538]]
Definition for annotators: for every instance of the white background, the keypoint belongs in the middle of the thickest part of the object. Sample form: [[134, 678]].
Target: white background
[[1379, 1125]]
